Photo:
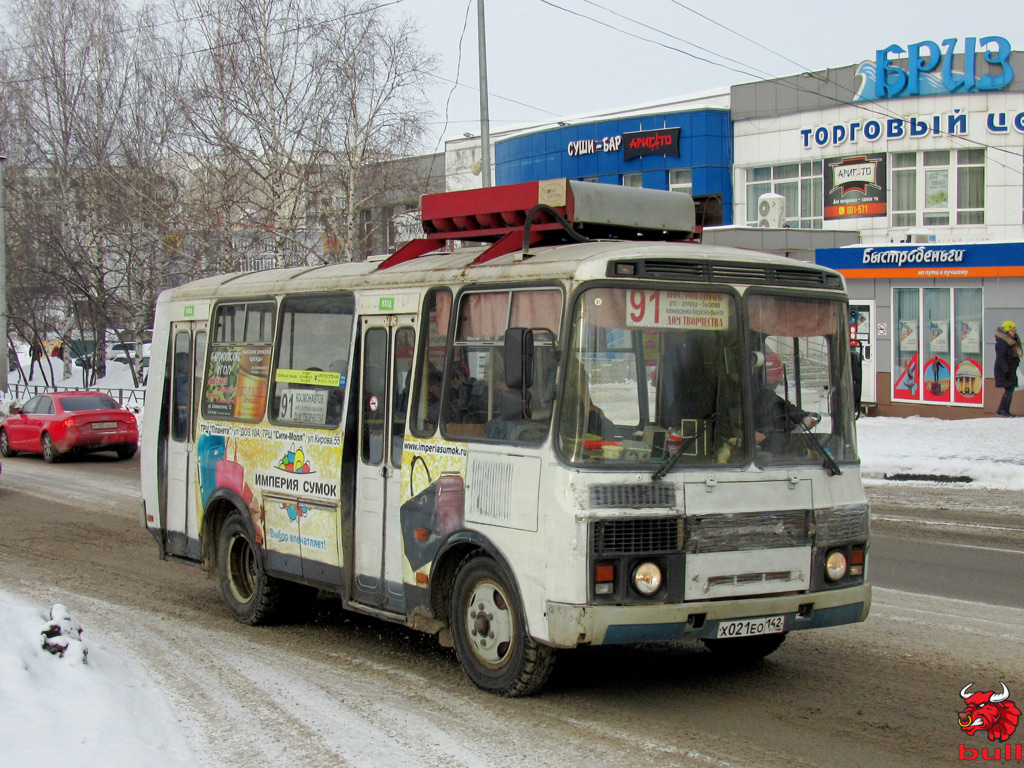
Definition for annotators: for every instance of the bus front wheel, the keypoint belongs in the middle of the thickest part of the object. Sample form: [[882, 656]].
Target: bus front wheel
[[489, 632], [253, 596]]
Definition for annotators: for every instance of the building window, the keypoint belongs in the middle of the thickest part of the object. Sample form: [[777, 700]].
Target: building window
[[632, 180], [940, 186], [970, 186], [937, 356], [681, 180], [800, 183], [904, 189]]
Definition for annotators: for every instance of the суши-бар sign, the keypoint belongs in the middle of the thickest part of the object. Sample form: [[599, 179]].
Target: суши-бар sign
[[661, 141]]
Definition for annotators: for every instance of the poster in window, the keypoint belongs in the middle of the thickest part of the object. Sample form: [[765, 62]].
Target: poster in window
[[908, 335], [906, 386], [855, 186], [967, 383], [936, 189], [236, 382], [970, 337], [936, 380], [938, 336]]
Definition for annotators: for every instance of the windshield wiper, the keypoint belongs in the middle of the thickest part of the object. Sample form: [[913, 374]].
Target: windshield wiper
[[826, 458], [685, 446]]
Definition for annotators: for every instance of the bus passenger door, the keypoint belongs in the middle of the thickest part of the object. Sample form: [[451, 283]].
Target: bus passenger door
[[386, 363], [188, 354]]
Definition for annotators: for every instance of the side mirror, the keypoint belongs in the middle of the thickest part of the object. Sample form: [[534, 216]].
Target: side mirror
[[519, 350], [15, 410]]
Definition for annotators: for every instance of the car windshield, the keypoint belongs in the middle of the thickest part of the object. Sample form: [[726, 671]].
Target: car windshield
[[659, 376], [88, 403]]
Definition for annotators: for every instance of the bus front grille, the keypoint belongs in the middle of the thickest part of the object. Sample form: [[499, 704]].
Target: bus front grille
[[628, 537], [619, 495]]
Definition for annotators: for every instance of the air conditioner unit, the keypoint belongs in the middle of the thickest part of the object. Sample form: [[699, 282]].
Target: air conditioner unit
[[771, 211]]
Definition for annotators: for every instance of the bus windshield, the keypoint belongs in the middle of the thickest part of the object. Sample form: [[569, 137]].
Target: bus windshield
[[802, 392], [654, 376]]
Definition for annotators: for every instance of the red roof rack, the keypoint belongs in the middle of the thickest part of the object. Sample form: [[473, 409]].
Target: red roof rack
[[516, 216]]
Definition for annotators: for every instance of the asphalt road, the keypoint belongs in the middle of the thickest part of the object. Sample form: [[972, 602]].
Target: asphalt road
[[334, 689]]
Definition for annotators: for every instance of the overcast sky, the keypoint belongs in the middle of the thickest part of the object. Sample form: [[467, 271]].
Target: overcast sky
[[544, 63]]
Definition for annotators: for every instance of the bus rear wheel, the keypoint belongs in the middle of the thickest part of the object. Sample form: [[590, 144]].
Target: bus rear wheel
[[489, 632], [253, 596]]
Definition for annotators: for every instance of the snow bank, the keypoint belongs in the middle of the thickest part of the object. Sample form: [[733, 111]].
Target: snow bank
[[75, 710]]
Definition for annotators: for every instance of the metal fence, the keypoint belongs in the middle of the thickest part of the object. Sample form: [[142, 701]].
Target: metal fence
[[125, 397]]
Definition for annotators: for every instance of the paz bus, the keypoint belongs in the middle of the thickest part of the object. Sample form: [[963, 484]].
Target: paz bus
[[584, 429]]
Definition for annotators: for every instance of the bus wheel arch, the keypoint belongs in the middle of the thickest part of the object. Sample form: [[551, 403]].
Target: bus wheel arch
[[489, 631], [455, 550], [219, 509]]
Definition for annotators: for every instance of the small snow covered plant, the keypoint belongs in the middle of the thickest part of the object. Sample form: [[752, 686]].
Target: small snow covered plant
[[62, 635]]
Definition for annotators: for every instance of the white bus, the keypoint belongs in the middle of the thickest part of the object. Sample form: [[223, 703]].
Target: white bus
[[524, 446]]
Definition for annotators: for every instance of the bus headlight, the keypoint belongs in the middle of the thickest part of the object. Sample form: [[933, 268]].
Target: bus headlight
[[647, 578], [835, 565]]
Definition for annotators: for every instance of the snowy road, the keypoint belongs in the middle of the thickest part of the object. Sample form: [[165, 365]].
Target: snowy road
[[336, 689]]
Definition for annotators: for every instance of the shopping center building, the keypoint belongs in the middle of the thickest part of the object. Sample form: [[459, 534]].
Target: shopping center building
[[914, 153]]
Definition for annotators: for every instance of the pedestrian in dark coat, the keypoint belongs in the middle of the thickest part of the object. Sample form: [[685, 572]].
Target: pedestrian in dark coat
[[1008, 352]]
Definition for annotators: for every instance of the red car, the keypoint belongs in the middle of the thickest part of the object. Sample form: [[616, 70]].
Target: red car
[[58, 423]]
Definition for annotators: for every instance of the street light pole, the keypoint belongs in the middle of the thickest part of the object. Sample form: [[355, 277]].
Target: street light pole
[[485, 129], [3, 276]]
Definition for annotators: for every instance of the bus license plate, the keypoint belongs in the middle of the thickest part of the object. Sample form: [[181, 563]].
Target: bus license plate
[[104, 424], [766, 625]]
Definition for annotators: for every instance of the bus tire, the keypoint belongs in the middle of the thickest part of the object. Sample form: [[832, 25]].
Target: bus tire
[[252, 596], [489, 632], [745, 650]]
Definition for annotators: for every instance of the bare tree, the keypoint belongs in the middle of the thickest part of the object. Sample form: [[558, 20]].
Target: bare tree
[[94, 138], [286, 101]]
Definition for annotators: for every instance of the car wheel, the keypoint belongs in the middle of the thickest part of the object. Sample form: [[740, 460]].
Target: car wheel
[[50, 452], [126, 452], [489, 632], [253, 596], [745, 650], [5, 445]]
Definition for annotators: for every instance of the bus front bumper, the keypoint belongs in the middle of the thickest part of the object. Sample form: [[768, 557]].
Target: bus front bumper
[[571, 625]]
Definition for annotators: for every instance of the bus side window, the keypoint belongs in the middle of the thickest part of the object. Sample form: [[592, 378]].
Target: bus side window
[[405, 341], [309, 378], [181, 387], [426, 394]]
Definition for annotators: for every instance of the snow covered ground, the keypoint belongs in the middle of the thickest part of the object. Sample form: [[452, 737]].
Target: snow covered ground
[[108, 712], [54, 709]]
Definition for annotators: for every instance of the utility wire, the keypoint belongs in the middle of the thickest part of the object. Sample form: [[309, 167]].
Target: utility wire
[[880, 111], [742, 36], [673, 37]]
